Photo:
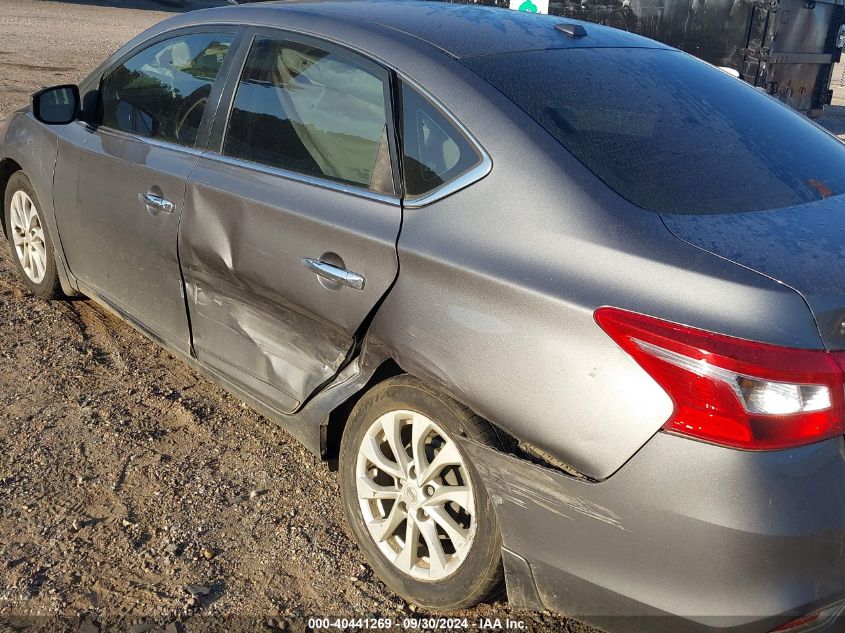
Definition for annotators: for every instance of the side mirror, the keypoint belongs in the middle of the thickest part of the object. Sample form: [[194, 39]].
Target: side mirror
[[58, 105]]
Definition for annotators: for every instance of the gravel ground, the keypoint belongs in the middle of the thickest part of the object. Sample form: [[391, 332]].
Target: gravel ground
[[135, 494]]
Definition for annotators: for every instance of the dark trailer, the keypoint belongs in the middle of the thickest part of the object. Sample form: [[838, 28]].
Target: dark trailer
[[786, 47]]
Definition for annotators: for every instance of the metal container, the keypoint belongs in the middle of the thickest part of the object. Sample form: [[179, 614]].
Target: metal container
[[786, 47]]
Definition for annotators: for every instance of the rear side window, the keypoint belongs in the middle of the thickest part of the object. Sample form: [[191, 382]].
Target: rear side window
[[434, 150], [162, 92], [314, 112], [671, 133]]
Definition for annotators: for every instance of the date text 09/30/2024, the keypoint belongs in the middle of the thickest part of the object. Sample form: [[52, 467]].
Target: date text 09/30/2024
[[422, 624]]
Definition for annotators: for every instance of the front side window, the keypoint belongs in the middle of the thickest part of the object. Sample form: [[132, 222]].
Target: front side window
[[311, 111], [162, 92], [434, 151]]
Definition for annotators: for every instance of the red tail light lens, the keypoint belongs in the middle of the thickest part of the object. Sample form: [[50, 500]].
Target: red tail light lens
[[793, 626], [731, 391]]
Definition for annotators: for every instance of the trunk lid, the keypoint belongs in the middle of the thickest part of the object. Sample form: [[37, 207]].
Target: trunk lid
[[801, 246]]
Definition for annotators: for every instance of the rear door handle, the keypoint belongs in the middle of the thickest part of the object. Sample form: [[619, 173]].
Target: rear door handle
[[159, 203], [335, 273]]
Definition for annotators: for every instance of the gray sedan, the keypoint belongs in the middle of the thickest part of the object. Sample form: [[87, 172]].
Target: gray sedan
[[563, 305]]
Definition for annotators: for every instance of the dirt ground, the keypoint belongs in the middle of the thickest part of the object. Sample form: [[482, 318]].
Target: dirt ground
[[134, 494]]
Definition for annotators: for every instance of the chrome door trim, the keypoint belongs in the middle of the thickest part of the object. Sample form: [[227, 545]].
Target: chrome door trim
[[308, 180], [126, 136], [456, 184]]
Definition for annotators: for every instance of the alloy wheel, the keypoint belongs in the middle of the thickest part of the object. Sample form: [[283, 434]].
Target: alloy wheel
[[416, 495], [28, 236]]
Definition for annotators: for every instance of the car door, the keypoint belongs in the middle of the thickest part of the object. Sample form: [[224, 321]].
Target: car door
[[288, 240], [130, 167]]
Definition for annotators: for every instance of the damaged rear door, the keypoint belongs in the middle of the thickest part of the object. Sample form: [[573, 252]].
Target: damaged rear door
[[288, 238]]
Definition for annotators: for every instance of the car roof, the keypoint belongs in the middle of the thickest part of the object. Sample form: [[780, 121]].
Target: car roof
[[460, 30]]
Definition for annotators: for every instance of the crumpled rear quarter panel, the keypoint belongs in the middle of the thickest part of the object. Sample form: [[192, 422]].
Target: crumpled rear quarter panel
[[723, 539], [498, 284]]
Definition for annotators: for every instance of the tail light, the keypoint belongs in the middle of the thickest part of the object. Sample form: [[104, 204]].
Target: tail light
[[829, 618], [799, 624], [731, 391]]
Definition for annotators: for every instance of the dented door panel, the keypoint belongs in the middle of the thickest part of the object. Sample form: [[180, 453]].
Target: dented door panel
[[258, 313]]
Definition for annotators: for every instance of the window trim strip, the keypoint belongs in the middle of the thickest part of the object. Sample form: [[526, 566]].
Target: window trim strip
[[297, 177], [129, 136], [466, 179]]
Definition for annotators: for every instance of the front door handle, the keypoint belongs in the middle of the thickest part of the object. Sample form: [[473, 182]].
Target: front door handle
[[156, 203], [335, 273]]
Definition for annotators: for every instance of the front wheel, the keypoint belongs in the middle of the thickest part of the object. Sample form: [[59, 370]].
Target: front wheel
[[414, 501], [32, 248]]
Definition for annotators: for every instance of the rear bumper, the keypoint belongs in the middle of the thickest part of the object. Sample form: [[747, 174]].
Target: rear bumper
[[685, 537]]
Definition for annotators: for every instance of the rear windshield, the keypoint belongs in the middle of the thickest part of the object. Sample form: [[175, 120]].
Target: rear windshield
[[669, 132]]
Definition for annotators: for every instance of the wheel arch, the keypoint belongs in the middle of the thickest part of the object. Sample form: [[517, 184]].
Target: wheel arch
[[8, 167], [388, 367], [33, 148], [337, 418]]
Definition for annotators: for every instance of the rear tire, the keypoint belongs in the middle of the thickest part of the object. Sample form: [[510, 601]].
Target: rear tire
[[405, 427], [29, 238]]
